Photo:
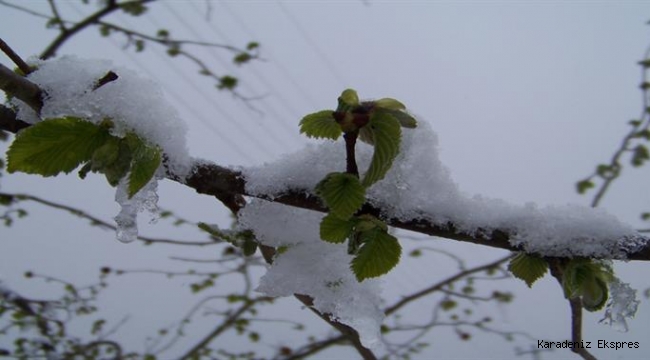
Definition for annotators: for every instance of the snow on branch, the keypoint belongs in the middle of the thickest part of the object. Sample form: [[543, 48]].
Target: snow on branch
[[417, 194]]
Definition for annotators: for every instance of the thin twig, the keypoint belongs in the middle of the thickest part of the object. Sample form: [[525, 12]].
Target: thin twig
[[22, 65], [99, 222], [441, 284], [57, 16], [111, 6]]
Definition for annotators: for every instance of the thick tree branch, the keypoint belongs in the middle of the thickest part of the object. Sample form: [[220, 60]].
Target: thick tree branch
[[9, 122], [21, 88], [229, 186]]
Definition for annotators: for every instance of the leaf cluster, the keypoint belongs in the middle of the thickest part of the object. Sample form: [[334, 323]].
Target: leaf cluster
[[378, 123], [63, 144], [587, 279]]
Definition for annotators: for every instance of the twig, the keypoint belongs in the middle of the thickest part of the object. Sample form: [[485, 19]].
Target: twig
[[99, 222], [441, 284], [22, 65], [576, 329], [57, 16], [350, 157], [109, 77], [90, 20]]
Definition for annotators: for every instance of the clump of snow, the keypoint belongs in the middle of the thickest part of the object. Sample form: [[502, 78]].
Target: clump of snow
[[622, 305], [132, 102], [419, 186], [313, 267]]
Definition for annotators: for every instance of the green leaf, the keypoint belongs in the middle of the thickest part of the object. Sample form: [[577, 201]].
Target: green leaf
[[342, 193], [334, 229], [575, 275], [594, 295], [106, 155], [528, 268], [227, 82], [386, 134], [146, 160], [120, 167], [249, 247], [242, 58], [349, 98], [389, 103], [379, 253], [640, 155], [320, 125], [53, 146], [404, 118], [584, 185]]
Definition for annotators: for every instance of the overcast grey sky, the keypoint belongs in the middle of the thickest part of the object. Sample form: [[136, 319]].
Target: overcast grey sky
[[526, 97]]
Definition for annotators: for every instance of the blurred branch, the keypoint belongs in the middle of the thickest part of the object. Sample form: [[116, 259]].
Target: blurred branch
[[424, 292], [229, 322], [9, 197], [67, 33], [608, 173]]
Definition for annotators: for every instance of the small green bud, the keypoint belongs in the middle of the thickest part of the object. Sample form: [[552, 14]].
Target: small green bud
[[349, 97]]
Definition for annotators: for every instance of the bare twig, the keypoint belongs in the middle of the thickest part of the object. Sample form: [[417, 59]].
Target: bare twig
[[99, 222], [57, 17], [435, 287], [22, 65]]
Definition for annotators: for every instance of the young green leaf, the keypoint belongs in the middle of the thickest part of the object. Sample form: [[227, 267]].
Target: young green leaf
[[120, 167], [342, 193], [404, 118], [389, 103], [334, 229], [53, 146], [106, 155], [379, 253], [146, 160], [594, 294], [584, 185], [386, 134], [320, 125], [528, 268], [349, 98]]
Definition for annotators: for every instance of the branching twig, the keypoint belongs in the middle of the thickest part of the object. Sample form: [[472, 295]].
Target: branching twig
[[424, 292], [110, 7]]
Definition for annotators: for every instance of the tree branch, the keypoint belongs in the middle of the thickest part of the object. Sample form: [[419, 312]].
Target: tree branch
[[441, 284], [21, 88], [9, 122], [229, 186], [65, 34]]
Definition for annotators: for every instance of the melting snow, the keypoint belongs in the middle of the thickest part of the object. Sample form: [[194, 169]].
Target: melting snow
[[131, 102], [313, 267]]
